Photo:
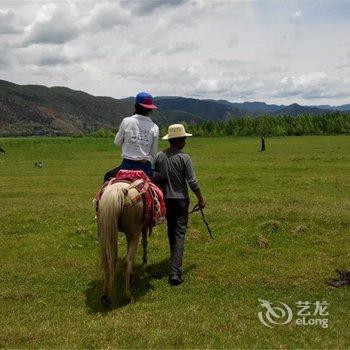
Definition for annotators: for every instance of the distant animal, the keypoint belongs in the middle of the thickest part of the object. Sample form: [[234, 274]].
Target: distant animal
[[2, 151], [39, 164]]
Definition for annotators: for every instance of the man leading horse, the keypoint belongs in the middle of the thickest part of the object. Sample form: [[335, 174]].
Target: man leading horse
[[128, 183], [176, 166]]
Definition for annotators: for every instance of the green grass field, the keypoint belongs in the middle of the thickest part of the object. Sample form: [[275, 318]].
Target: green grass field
[[281, 221]]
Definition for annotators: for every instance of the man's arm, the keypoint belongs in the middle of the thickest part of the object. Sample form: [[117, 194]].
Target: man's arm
[[119, 138], [193, 183], [154, 145]]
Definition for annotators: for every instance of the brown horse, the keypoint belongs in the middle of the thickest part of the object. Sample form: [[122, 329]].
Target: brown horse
[[112, 216]]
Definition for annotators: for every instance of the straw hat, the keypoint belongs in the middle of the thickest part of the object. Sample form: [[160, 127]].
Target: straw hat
[[175, 131]]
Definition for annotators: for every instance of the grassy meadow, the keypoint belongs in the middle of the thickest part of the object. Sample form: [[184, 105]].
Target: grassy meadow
[[281, 220]]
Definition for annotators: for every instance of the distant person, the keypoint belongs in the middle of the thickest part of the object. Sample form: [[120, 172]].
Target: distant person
[[176, 166], [138, 135]]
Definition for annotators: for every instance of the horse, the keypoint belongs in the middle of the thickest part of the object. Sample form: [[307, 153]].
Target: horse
[[111, 218]]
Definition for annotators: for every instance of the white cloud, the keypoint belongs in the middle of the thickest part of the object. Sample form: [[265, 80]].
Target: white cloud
[[232, 64], [233, 40], [6, 59], [207, 49], [316, 85], [297, 15], [8, 23], [144, 8], [281, 55], [210, 85], [49, 55], [305, 80], [171, 49], [54, 24], [105, 16]]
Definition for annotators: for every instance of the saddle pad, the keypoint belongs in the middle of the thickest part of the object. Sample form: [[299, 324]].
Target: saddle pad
[[141, 188], [132, 175], [135, 192]]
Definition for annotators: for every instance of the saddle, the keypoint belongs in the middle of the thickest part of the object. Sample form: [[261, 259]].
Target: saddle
[[135, 192], [140, 188]]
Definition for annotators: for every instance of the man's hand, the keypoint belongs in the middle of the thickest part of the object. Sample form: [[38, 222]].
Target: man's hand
[[201, 203]]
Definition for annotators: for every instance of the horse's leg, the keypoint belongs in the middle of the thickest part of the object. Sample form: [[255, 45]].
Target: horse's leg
[[133, 240], [144, 254], [144, 246]]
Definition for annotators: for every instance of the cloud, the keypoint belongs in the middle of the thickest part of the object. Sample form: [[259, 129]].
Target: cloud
[[6, 59], [147, 7], [305, 80], [8, 24], [169, 78], [236, 68], [210, 86], [280, 55], [237, 64], [176, 21], [316, 85], [194, 80], [343, 66], [171, 49], [233, 41], [49, 56], [297, 15], [106, 16], [238, 87], [59, 23], [53, 59], [54, 24], [201, 48]]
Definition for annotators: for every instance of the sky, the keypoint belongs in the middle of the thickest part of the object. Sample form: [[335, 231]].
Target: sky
[[279, 52]]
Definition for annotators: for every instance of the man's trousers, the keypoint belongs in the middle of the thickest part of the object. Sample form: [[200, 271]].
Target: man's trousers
[[177, 219]]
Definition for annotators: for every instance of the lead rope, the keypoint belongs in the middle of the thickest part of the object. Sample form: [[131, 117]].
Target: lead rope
[[198, 208]]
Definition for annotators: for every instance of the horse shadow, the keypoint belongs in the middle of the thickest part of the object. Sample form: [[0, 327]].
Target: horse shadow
[[142, 283]]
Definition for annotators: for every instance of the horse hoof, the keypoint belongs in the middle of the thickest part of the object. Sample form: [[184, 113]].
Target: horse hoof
[[106, 301]]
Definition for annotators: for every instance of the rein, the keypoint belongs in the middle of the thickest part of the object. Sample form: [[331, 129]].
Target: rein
[[198, 208]]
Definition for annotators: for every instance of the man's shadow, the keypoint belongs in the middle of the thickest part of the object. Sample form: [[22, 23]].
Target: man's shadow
[[142, 283]]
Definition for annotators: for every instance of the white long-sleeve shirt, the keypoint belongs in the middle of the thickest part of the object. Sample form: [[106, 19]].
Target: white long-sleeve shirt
[[138, 135]]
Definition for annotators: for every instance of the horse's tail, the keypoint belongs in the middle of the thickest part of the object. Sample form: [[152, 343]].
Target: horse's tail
[[110, 207]]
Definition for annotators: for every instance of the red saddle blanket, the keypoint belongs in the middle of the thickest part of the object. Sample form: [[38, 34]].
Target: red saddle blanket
[[153, 199]]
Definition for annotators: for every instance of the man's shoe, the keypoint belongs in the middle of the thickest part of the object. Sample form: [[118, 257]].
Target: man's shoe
[[175, 280]]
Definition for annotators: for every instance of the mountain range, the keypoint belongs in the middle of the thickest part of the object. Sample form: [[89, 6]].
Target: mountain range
[[41, 110]]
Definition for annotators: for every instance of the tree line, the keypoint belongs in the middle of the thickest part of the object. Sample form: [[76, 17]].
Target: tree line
[[307, 124], [267, 125]]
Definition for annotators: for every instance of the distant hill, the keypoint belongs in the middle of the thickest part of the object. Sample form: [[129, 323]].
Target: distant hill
[[205, 109], [41, 110], [295, 109], [258, 107], [342, 108]]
